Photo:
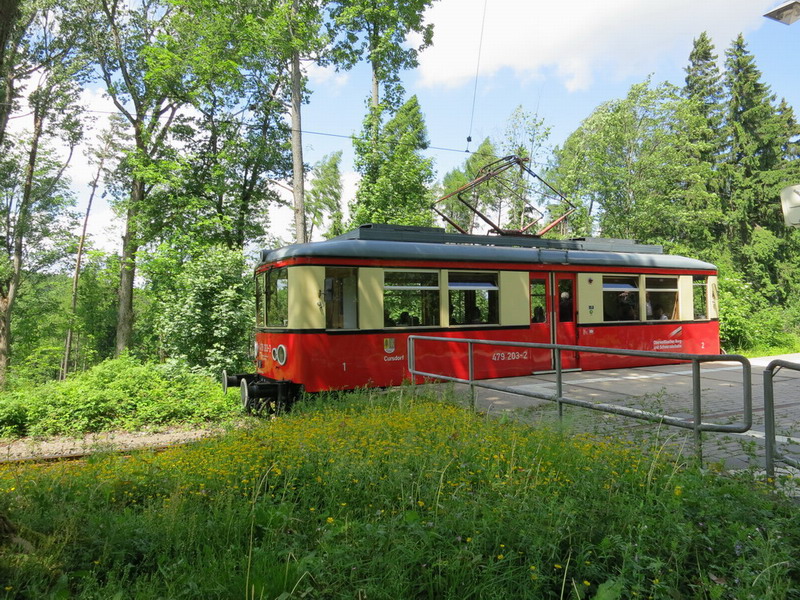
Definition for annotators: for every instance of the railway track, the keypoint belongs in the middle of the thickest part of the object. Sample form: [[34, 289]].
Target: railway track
[[26, 451]]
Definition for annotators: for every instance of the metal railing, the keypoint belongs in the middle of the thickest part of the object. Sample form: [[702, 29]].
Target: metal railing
[[696, 423], [770, 442]]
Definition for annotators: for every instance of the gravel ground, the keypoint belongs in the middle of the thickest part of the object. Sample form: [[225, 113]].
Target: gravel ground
[[62, 446]]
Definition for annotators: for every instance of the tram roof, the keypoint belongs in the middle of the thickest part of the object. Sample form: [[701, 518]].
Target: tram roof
[[397, 242]]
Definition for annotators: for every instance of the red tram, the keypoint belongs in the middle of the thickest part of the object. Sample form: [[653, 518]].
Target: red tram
[[336, 314]]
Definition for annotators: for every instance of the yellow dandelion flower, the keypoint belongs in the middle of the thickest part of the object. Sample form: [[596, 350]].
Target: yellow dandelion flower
[[500, 556], [678, 490], [330, 519], [557, 566]]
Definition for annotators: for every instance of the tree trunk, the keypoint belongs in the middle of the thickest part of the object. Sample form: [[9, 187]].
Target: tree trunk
[[9, 294], [76, 275], [9, 15], [127, 274], [297, 153], [375, 87]]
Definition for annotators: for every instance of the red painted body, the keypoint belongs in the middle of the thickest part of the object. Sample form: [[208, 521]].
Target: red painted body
[[327, 361]]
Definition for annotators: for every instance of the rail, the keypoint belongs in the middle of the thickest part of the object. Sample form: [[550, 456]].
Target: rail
[[696, 424], [770, 442]]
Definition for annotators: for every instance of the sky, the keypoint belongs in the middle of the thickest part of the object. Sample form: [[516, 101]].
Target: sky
[[557, 60]]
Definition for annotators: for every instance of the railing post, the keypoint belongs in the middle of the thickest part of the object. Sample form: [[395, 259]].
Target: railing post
[[559, 383], [697, 410], [769, 423], [471, 359]]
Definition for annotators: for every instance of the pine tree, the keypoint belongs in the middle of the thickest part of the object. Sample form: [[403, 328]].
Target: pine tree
[[395, 175], [704, 88], [760, 160]]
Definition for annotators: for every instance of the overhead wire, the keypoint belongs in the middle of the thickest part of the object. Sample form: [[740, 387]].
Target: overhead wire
[[477, 73]]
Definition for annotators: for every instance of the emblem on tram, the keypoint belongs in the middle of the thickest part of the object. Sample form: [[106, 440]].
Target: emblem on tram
[[388, 345]]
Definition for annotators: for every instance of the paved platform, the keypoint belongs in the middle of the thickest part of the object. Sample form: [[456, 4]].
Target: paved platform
[[667, 390]]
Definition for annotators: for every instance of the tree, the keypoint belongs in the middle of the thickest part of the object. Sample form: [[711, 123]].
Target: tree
[[99, 155], [704, 88], [324, 199], [395, 176], [141, 66], [43, 62], [454, 208], [206, 322], [760, 159], [219, 192], [634, 167], [377, 31], [13, 27]]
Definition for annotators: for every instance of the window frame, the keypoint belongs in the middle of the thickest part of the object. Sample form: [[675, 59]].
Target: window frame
[[492, 309], [281, 273], [390, 323], [662, 290]]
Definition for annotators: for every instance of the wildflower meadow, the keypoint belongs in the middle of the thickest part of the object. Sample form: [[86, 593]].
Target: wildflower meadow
[[395, 496]]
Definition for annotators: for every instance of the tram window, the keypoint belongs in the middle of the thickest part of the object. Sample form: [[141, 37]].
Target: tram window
[[473, 298], [538, 302], [700, 296], [277, 297], [661, 298], [260, 299], [620, 298], [410, 298], [341, 298]]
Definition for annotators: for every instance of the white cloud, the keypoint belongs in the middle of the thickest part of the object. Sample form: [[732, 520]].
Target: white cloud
[[324, 76], [574, 39]]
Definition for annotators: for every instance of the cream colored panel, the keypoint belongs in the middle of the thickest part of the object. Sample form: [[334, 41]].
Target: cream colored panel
[[306, 308], [370, 298], [590, 298], [515, 301], [685, 298], [444, 298], [713, 297]]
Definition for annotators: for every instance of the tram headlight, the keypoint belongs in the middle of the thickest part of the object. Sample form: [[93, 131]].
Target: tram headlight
[[279, 354]]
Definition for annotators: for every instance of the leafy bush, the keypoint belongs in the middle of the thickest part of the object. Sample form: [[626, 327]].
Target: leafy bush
[[747, 320], [207, 319], [116, 394]]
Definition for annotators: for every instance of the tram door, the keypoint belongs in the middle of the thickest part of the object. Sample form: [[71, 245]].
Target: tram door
[[565, 329], [553, 318]]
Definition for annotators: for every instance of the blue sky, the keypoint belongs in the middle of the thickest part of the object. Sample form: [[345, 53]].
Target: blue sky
[[557, 60]]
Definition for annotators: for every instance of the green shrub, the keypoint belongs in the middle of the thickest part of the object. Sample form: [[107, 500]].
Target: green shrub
[[748, 321], [116, 394]]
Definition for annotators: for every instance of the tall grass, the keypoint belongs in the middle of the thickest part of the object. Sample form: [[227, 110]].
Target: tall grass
[[392, 496]]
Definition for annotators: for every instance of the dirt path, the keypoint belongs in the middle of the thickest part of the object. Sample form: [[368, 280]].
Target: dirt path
[[63, 446]]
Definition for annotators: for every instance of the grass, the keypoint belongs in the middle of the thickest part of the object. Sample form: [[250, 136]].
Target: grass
[[395, 496]]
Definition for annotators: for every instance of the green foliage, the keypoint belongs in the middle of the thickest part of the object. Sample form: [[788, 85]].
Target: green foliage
[[395, 176], [748, 321], [379, 32], [116, 394], [205, 319], [324, 199], [457, 178], [396, 497]]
